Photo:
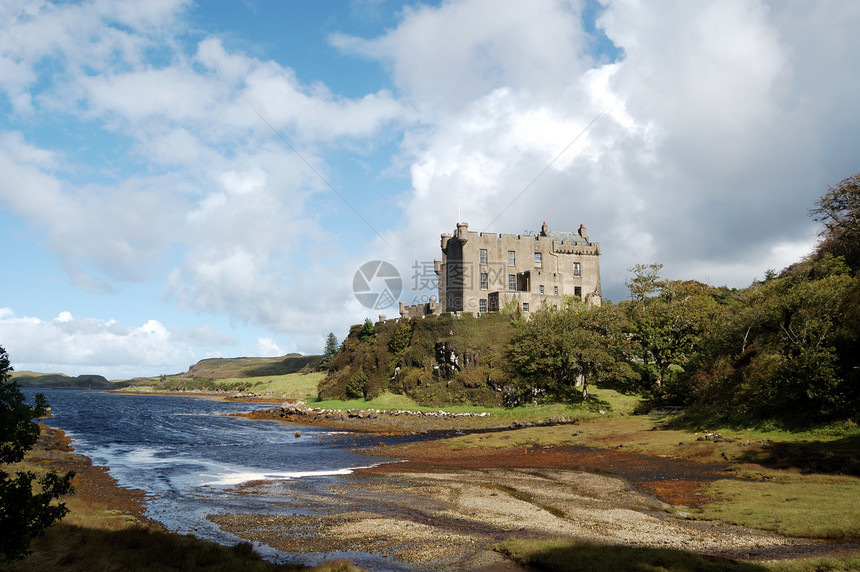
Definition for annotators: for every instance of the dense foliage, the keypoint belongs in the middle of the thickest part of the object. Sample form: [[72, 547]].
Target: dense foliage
[[786, 349], [561, 349], [24, 512], [667, 321], [401, 356]]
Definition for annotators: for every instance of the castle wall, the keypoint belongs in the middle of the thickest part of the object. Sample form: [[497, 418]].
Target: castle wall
[[515, 266]]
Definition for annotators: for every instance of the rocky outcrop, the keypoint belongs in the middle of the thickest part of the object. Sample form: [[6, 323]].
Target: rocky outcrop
[[301, 412]]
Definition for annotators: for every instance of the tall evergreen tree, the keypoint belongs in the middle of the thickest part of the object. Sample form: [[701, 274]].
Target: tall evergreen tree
[[329, 353]]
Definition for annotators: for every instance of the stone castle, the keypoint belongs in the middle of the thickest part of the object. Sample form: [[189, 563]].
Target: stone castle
[[485, 272]]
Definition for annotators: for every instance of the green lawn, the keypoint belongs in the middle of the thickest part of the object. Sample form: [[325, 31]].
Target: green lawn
[[817, 506]]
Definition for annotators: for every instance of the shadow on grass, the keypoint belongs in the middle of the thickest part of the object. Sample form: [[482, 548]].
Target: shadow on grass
[[841, 456], [138, 548], [583, 557]]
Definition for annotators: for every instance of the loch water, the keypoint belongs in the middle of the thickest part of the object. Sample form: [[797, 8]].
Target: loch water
[[189, 453]]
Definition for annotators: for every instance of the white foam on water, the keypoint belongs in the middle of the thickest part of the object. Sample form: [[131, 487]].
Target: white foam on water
[[240, 478], [136, 457]]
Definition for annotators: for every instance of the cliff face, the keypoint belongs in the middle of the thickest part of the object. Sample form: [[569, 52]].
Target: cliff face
[[435, 360]]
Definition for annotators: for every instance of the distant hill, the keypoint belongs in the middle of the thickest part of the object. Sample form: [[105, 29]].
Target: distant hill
[[63, 381], [212, 369], [231, 368]]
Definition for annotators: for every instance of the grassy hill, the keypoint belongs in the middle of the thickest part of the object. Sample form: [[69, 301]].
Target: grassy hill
[[292, 376], [241, 367], [63, 381]]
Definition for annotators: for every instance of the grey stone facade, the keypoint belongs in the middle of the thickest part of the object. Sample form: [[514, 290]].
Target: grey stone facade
[[484, 272]]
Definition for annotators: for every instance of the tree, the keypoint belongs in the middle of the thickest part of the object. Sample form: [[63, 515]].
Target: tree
[[839, 210], [668, 318], [788, 348], [24, 512], [329, 353], [560, 349], [367, 330]]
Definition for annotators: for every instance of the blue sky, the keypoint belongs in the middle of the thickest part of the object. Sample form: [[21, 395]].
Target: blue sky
[[151, 214]]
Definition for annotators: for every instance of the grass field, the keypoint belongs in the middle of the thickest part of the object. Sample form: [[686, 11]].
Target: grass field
[[816, 506], [294, 386]]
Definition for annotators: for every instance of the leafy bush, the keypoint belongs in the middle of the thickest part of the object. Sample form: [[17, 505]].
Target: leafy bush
[[24, 512], [357, 385]]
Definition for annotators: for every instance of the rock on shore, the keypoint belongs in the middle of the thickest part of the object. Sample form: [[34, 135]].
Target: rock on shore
[[396, 420]]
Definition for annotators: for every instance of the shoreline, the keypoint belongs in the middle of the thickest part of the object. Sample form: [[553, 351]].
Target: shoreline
[[447, 508], [419, 515], [93, 484], [666, 492]]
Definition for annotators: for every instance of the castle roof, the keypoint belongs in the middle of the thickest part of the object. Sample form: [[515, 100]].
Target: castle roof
[[566, 237]]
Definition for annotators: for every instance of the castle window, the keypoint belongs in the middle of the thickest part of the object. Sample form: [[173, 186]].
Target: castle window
[[512, 281], [555, 290], [541, 288], [512, 258], [577, 292], [525, 306], [577, 269], [484, 256], [538, 260], [485, 281], [482, 305]]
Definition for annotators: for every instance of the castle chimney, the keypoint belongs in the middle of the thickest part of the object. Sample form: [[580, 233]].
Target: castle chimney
[[544, 229], [583, 233]]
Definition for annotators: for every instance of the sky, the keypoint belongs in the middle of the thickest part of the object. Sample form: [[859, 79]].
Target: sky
[[184, 180]]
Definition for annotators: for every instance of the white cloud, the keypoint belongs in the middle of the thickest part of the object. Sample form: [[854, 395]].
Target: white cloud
[[741, 273], [204, 336], [704, 157], [446, 57], [88, 346], [90, 37], [266, 347], [121, 230]]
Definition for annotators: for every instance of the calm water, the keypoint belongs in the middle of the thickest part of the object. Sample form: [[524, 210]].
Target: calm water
[[187, 453]]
